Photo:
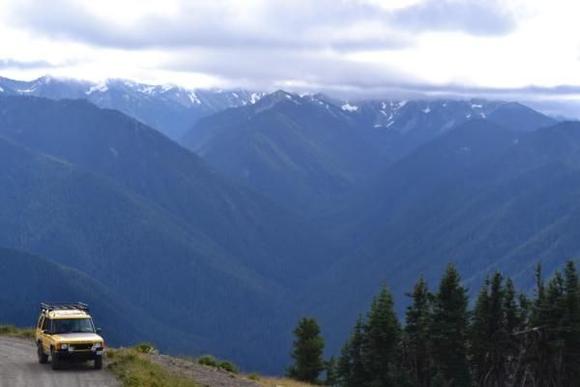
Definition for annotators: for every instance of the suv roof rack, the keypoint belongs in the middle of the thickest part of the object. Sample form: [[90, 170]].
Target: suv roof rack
[[64, 306]]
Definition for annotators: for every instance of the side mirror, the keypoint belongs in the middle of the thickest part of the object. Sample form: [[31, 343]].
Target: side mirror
[[98, 331]]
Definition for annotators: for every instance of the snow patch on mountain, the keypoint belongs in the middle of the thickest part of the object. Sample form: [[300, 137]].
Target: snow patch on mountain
[[194, 98], [349, 108], [101, 87], [255, 97]]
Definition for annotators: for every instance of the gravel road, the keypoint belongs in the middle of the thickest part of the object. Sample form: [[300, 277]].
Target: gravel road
[[19, 367]]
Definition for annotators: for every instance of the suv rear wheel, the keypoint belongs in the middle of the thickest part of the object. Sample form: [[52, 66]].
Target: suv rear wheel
[[42, 357]]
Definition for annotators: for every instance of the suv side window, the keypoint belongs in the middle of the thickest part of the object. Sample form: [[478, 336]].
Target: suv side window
[[45, 324]]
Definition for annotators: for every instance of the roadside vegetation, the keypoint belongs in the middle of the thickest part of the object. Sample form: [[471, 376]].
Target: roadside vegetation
[[210, 361], [12, 331], [134, 369]]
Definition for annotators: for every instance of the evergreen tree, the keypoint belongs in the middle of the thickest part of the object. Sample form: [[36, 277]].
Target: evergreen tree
[[344, 366], [571, 326], [545, 351], [478, 333], [490, 336], [307, 351], [515, 322], [417, 335], [331, 372], [351, 368], [514, 315], [449, 330], [382, 340]]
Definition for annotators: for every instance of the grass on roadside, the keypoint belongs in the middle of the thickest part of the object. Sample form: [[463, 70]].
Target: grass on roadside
[[12, 331], [134, 369]]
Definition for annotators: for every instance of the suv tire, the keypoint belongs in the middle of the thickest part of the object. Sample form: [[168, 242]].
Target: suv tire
[[54, 360], [42, 357], [98, 362]]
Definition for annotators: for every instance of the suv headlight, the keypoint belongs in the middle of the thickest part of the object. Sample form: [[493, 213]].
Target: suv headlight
[[97, 346], [63, 346]]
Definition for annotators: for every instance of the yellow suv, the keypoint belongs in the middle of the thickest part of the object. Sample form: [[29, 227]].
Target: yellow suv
[[66, 332]]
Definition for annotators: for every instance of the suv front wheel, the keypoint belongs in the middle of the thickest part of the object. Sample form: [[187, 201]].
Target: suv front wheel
[[54, 360], [98, 362], [42, 357]]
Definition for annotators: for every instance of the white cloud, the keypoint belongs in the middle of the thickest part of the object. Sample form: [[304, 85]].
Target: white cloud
[[358, 46]]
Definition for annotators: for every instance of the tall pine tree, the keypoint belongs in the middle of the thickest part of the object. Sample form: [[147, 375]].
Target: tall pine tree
[[351, 368], [491, 333], [571, 326], [382, 340], [307, 352], [417, 335], [449, 330]]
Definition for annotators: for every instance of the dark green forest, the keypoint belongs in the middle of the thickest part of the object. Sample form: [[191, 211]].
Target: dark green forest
[[506, 338]]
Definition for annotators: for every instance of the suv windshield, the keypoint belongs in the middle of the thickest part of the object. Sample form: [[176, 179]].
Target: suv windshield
[[73, 325]]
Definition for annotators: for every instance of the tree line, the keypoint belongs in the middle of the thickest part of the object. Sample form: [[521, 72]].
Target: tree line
[[507, 339]]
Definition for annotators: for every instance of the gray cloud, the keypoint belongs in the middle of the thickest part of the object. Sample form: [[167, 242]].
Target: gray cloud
[[308, 72], [255, 68], [473, 17], [275, 24]]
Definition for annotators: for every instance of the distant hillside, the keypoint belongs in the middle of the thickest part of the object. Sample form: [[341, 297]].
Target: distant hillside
[[142, 161], [309, 152], [295, 150], [21, 295]]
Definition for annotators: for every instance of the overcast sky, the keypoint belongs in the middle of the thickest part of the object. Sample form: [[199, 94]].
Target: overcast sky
[[513, 48]]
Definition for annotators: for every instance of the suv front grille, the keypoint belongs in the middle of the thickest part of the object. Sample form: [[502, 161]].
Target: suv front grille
[[81, 347]]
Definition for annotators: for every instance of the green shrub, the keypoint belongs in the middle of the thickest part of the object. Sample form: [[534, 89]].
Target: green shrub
[[228, 366], [255, 377], [145, 348], [208, 360], [11, 330]]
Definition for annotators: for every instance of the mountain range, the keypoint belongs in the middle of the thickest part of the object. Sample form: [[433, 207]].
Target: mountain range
[[310, 151], [267, 210], [168, 108]]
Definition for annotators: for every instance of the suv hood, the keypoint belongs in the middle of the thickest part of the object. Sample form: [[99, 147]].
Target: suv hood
[[78, 337]]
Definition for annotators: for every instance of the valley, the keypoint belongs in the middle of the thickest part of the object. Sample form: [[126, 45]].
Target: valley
[[217, 234]]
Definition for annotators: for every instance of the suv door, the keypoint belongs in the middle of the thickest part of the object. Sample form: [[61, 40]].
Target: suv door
[[44, 337], [38, 330]]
